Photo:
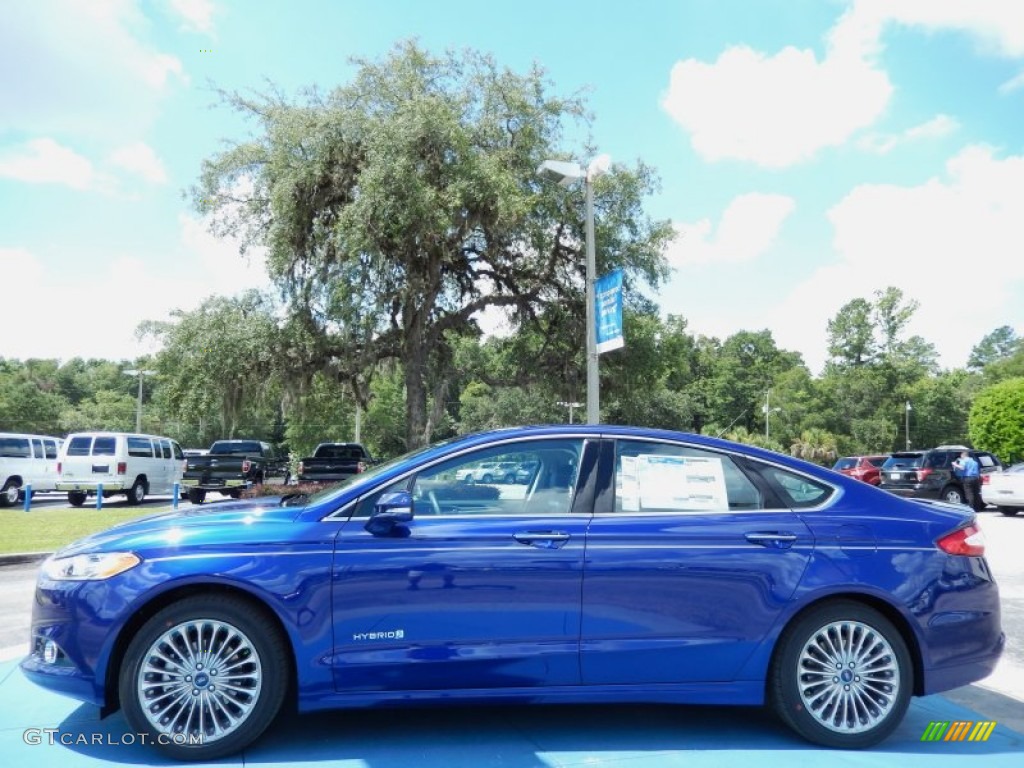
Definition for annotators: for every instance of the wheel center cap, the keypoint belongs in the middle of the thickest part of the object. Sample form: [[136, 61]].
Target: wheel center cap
[[847, 676], [202, 680]]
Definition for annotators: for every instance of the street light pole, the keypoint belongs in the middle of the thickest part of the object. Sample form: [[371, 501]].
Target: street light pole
[[907, 427], [564, 174], [138, 411]]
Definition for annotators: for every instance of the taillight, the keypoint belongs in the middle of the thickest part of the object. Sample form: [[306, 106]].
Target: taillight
[[969, 541], [922, 474], [360, 467], [122, 467], [985, 479], [246, 465], [60, 466], [184, 466], [302, 468]]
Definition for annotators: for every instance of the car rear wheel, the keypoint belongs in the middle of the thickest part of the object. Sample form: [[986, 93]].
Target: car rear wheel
[[9, 494], [953, 495], [842, 676], [487, 478], [207, 674], [137, 493], [1009, 511], [77, 498], [196, 495]]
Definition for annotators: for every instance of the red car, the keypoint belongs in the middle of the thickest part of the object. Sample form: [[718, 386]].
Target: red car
[[861, 467]]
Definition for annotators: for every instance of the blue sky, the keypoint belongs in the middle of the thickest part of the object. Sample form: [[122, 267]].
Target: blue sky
[[810, 151]]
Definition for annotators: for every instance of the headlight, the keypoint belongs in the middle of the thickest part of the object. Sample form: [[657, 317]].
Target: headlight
[[95, 567]]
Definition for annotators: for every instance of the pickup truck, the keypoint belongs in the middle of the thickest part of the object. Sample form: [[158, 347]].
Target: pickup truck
[[332, 462], [232, 466]]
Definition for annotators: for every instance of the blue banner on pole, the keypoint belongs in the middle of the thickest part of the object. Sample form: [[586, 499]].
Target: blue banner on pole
[[608, 311]]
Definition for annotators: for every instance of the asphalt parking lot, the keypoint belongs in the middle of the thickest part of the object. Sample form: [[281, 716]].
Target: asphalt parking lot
[[43, 729]]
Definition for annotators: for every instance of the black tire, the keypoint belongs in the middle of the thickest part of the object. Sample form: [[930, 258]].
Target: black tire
[[509, 479], [249, 640], [801, 698], [10, 494], [1009, 511], [137, 493], [487, 478], [77, 498], [234, 494], [953, 495], [196, 495]]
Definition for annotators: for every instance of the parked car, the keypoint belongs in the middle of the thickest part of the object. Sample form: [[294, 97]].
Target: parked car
[[195, 452], [332, 462], [863, 468], [929, 474], [27, 460], [231, 466], [1005, 490], [489, 472], [123, 463], [636, 565]]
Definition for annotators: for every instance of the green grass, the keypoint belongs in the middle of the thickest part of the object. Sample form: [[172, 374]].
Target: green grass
[[46, 530]]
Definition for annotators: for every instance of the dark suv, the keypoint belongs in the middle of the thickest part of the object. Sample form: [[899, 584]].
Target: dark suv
[[929, 474]]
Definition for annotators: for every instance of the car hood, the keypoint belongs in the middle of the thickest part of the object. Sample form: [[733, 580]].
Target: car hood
[[162, 528]]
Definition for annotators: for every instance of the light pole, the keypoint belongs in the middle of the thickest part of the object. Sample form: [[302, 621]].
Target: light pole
[[907, 427], [571, 406], [768, 411], [138, 411], [564, 174]]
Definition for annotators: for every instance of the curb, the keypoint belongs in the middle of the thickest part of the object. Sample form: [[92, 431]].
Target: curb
[[22, 558]]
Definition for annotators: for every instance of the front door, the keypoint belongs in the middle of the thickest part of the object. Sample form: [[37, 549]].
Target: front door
[[481, 589]]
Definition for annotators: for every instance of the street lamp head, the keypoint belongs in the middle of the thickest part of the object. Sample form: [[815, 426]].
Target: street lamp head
[[136, 372], [561, 172]]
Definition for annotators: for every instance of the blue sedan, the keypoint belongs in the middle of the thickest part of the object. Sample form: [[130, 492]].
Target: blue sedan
[[633, 565]]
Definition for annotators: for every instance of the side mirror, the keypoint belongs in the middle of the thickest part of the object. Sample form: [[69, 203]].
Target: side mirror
[[390, 510]]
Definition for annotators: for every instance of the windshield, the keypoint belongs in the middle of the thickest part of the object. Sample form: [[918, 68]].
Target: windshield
[[903, 460]]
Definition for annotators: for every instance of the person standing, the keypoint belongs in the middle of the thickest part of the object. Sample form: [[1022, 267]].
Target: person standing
[[969, 472]]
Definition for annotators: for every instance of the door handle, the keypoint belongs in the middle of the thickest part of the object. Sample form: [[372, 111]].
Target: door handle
[[778, 539], [542, 539]]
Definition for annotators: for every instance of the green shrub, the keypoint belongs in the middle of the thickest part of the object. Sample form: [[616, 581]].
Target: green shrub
[[996, 422]]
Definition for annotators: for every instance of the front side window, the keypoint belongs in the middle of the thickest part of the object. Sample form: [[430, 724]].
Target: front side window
[[15, 448], [165, 448], [104, 446], [458, 487], [177, 450], [667, 477]]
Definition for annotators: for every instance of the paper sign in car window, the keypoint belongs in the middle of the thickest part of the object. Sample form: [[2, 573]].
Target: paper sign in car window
[[681, 483], [627, 487]]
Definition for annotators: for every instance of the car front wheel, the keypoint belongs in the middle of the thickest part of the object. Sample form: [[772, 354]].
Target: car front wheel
[[842, 676], [9, 494], [1009, 511], [204, 677]]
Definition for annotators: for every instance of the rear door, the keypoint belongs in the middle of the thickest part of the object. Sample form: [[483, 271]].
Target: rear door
[[687, 568]]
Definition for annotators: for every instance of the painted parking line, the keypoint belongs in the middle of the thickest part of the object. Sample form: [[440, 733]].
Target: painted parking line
[[481, 737]]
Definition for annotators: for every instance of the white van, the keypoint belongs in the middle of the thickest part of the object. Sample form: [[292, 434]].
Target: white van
[[27, 460], [135, 465]]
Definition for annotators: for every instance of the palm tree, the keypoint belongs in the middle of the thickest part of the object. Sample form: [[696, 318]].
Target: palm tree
[[817, 445]]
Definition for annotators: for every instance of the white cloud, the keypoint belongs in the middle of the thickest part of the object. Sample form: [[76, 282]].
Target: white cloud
[[119, 293], [951, 243], [44, 161], [1013, 84], [938, 127], [748, 227], [196, 15], [140, 159], [782, 109], [82, 68]]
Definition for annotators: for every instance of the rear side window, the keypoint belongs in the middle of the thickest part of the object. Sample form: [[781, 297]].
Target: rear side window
[[938, 460], [165, 448], [79, 446], [798, 491], [51, 448], [986, 460], [104, 446], [845, 464], [665, 477], [14, 448], [140, 448]]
